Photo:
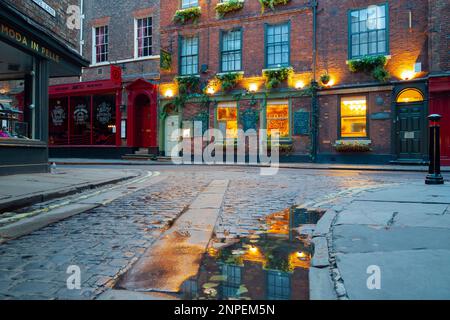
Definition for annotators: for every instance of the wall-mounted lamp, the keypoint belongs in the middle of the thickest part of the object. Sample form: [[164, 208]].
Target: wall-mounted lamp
[[407, 75], [169, 93], [253, 87], [299, 85], [210, 90]]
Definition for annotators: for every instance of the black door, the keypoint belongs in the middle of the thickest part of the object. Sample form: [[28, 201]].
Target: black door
[[410, 126]]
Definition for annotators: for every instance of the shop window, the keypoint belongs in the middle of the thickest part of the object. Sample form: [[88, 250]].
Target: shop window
[[100, 44], [410, 95], [354, 117], [58, 122], [104, 120], [277, 116], [80, 120], [17, 106], [144, 37], [227, 120], [189, 56], [278, 285], [277, 45], [189, 4], [368, 32], [231, 50]]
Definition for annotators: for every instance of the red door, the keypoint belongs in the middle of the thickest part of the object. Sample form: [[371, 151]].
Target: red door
[[143, 121], [440, 104]]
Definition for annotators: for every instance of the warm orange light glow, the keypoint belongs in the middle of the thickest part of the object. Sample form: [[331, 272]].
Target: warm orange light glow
[[253, 87], [407, 75], [168, 93], [410, 95], [330, 83], [253, 250], [210, 90], [299, 85]]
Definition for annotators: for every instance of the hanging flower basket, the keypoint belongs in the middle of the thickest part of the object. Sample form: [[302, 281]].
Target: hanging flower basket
[[353, 146], [222, 8], [185, 15]]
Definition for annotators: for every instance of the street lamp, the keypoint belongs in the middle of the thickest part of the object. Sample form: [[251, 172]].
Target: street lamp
[[434, 171]]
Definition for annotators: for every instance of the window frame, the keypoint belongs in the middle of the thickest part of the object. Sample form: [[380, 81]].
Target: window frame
[[226, 104], [288, 138], [136, 42], [339, 124], [221, 52], [182, 6], [180, 56], [94, 44], [349, 32], [266, 53]]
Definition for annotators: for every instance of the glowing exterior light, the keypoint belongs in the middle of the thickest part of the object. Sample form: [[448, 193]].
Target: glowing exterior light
[[253, 87], [210, 90], [168, 93], [299, 85], [407, 75], [253, 250]]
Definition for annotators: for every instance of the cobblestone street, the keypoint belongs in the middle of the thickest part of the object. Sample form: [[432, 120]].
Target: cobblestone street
[[106, 240]]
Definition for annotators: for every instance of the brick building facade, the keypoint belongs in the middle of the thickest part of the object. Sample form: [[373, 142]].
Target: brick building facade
[[36, 44], [375, 113], [122, 43]]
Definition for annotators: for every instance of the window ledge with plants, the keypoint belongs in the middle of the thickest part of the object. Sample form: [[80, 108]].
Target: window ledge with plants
[[272, 4], [355, 145], [186, 15], [372, 65], [222, 8], [275, 76]]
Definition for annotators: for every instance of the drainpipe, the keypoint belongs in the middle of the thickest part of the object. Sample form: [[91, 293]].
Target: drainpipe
[[81, 31], [314, 99]]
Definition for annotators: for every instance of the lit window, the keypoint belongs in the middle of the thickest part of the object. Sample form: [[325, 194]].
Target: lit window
[[227, 120], [189, 4], [231, 51], [353, 117], [101, 44], [144, 37], [278, 118], [368, 33], [189, 56], [277, 46], [410, 95]]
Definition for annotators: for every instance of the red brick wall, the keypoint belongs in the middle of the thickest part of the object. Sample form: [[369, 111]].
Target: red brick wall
[[439, 31]]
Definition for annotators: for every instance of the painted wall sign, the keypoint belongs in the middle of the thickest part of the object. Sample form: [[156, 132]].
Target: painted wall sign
[[46, 7], [26, 42], [249, 119], [301, 123]]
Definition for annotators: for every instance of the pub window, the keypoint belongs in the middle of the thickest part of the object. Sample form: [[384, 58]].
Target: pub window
[[101, 44], [17, 97], [232, 274], [354, 117], [278, 285], [58, 121], [227, 120], [104, 120], [80, 120], [143, 37], [231, 50], [277, 45], [189, 4], [368, 32], [277, 117], [189, 56]]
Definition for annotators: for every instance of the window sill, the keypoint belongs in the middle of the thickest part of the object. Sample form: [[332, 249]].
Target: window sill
[[135, 59], [276, 69], [350, 140], [388, 57], [228, 72], [12, 142], [188, 76]]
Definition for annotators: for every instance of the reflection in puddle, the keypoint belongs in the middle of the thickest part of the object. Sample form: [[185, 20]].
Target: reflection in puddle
[[268, 265]]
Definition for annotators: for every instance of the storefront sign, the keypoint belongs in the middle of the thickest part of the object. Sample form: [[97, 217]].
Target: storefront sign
[[58, 116], [28, 43], [104, 113], [249, 119], [46, 7], [80, 114], [301, 123]]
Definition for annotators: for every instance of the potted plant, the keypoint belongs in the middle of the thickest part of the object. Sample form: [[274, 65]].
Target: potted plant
[[274, 77], [352, 146], [373, 65], [228, 81], [325, 78], [271, 4], [184, 15]]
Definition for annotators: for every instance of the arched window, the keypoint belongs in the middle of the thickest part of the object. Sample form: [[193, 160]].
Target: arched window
[[410, 95]]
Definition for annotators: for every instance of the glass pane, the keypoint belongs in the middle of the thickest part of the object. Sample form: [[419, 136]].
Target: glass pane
[[104, 120], [58, 122], [353, 117], [410, 95], [80, 120], [278, 118]]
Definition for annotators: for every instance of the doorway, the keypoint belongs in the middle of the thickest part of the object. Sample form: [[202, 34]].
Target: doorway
[[172, 123], [410, 125], [143, 121]]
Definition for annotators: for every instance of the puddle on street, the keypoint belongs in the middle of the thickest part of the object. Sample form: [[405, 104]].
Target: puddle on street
[[268, 265]]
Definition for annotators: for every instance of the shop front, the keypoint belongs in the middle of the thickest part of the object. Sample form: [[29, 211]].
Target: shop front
[[439, 88], [30, 55], [90, 120]]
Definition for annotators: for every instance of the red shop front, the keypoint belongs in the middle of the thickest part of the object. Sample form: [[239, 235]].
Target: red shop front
[[440, 103]]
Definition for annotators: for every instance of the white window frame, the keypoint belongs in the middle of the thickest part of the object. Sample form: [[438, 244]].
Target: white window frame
[[136, 45], [94, 43], [190, 4]]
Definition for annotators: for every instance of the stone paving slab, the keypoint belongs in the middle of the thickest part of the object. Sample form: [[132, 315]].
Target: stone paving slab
[[410, 274], [320, 284], [176, 256]]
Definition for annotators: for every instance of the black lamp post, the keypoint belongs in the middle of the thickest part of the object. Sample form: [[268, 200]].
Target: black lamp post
[[434, 172]]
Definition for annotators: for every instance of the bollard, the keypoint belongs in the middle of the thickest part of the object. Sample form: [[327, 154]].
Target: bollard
[[434, 171]]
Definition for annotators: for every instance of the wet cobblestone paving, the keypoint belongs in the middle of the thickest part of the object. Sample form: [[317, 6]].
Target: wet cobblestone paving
[[105, 240]]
